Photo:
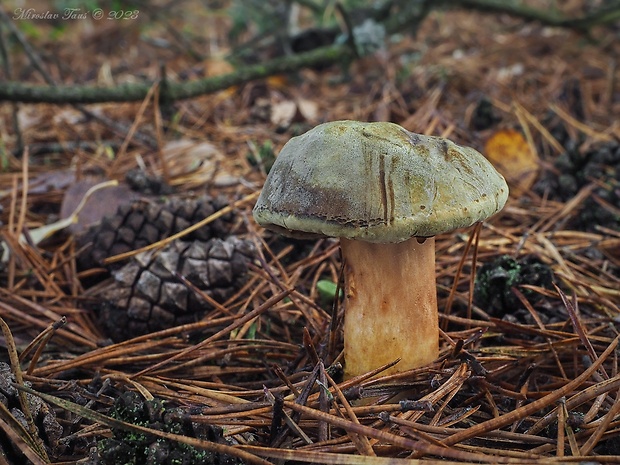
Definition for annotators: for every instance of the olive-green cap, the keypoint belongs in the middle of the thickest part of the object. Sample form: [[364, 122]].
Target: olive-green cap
[[376, 182]]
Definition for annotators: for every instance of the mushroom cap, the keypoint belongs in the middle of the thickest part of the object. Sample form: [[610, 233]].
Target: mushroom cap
[[376, 182]]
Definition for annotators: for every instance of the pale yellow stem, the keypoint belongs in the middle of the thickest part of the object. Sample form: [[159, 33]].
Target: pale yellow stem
[[390, 305]]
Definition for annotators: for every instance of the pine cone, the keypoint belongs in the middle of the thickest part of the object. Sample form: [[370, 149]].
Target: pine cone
[[43, 415], [157, 414], [574, 170], [144, 222], [147, 294]]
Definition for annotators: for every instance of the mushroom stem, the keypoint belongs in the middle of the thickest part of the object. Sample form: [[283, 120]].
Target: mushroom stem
[[390, 305]]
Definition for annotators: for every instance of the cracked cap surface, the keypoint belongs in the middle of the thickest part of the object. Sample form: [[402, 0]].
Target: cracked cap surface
[[376, 182]]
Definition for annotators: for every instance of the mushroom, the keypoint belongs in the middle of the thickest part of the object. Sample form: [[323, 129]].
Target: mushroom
[[385, 192]]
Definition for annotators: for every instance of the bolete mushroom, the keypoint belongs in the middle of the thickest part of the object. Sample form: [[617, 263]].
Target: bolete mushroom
[[385, 192]]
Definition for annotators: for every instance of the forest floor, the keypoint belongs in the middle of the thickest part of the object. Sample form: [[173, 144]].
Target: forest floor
[[248, 371]]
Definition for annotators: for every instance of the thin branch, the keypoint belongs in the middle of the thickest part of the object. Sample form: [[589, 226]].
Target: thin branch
[[6, 65], [38, 64], [17, 92], [607, 14], [408, 19]]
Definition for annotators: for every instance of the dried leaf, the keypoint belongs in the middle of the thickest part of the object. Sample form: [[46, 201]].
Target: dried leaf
[[508, 150], [278, 81], [39, 234], [28, 117], [101, 203], [283, 113], [185, 156], [217, 66], [308, 109]]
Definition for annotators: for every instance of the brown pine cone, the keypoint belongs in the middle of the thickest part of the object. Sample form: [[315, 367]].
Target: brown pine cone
[[147, 294], [144, 222], [44, 418], [128, 447]]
